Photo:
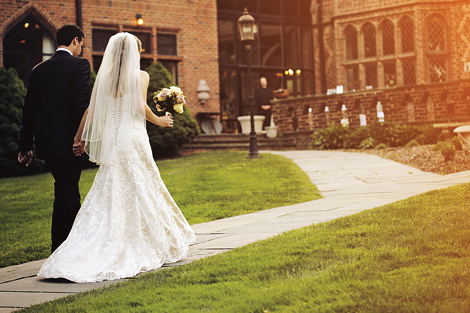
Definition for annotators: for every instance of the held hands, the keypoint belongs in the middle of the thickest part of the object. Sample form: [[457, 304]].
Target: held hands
[[79, 147], [25, 157], [166, 121]]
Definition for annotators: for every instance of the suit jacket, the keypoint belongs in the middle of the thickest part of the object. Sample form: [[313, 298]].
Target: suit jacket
[[58, 94]]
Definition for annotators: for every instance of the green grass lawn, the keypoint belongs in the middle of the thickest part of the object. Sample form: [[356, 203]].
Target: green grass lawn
[[206, 187], [408, 256]]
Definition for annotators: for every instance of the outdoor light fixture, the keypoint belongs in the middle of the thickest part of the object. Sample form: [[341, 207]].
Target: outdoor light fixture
[[139, 19], [246, 24]]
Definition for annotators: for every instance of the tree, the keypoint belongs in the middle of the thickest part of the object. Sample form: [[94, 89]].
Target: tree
[[167, 141]]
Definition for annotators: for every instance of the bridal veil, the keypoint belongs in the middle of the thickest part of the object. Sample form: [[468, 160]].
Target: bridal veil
[[117, 103]]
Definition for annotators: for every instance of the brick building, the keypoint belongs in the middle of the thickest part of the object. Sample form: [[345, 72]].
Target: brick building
[[181, 34], [413, 56]]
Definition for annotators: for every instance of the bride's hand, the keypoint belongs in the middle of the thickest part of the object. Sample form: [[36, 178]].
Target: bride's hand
[[166, 121]]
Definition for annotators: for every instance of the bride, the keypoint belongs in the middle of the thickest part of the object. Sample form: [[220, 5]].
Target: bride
[[128, 223]]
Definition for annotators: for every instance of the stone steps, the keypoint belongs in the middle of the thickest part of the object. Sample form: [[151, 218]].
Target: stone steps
[[205, 142]]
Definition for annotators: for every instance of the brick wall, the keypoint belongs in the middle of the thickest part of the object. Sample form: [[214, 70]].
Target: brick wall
[[194, 22], [433, 103]]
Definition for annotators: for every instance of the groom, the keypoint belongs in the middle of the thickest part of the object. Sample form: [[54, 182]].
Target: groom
[[58, 95]]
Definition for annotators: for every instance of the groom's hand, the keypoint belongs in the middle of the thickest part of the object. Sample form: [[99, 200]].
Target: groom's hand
[[79, 148], [25, 157]]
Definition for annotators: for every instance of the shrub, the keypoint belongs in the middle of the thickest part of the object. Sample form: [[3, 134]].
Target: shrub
[[381, 146], [391, 135], [167, 141], [412, 143], [368, 143], [12, 93], [446, 149], [456, 142]]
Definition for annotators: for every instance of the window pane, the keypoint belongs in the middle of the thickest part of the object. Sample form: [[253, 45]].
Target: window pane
[[249, 4], [291, 47], [226, 42], [436, 34], [272, 7], [101, 37], [388, 38], [306, 41], [225, 5], [172, 67], [370, 43], [409, 72], [371, 75], [352, 76], [271, 54], [166, 44], [97, 59], [437, 70], [291, 8], [144, 63], [145, 39], [350, 35], [407, 35], [390, 74], [305, 12]]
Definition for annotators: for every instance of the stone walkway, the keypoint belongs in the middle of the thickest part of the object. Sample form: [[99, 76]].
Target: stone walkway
[[349, 182]]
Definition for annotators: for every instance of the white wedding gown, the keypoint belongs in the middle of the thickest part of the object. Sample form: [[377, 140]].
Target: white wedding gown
[[128, 223]]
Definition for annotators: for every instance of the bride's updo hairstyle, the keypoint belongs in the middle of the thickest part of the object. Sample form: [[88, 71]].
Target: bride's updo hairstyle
[[117, 96]]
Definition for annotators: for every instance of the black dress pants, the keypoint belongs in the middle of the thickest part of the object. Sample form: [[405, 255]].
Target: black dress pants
[[66, 170]]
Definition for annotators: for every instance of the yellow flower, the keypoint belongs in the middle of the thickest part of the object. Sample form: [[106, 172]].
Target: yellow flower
[[178, 108]]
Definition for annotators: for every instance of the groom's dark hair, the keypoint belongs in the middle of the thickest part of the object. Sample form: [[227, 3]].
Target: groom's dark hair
[[67, 33]]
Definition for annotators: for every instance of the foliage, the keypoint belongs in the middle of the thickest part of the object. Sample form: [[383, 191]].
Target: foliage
[[205, 186], [408, 256], [381, 146], [389, 134], [412, 143], [12, 93], [446, 149], [167, 141], [456, 142]]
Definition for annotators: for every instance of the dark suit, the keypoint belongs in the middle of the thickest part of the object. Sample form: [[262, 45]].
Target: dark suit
[[58, 95]]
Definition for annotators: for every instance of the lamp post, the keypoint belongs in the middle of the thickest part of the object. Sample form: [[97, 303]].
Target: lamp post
[[246, 24]]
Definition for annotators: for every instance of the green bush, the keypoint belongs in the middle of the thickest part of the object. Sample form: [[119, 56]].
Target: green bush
[[412, 143], [381, 146], [446, 149], [389, 134], [12, 93], [456, 142], [167, 141]]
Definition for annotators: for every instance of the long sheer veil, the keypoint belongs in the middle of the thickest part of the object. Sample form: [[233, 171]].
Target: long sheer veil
[[117, 103]]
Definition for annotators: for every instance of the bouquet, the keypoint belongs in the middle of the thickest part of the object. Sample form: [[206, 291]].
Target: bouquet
[[170, 100]]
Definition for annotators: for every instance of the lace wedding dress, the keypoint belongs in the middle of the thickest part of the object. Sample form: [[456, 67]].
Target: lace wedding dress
[[128, 222]]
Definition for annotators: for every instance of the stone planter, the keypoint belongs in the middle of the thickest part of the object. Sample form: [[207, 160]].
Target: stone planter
[[271, 131], [464, 136], [245, 123]]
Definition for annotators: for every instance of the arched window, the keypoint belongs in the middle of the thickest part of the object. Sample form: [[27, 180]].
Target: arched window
[[350, 36], [436, 48], [27, 44], [388, 37], [436, 34], [407, 32], [370, 40]]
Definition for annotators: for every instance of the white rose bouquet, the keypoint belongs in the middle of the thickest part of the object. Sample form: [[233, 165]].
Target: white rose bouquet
[[170, 100]]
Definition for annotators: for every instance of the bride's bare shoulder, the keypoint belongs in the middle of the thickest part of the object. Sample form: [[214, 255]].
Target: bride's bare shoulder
[[144, 76]]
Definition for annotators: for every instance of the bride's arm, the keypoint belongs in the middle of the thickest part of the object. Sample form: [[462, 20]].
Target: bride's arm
[[78, 143], [164, 121]]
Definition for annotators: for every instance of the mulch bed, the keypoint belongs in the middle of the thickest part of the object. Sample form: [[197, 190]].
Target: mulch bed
[[425, 158]]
